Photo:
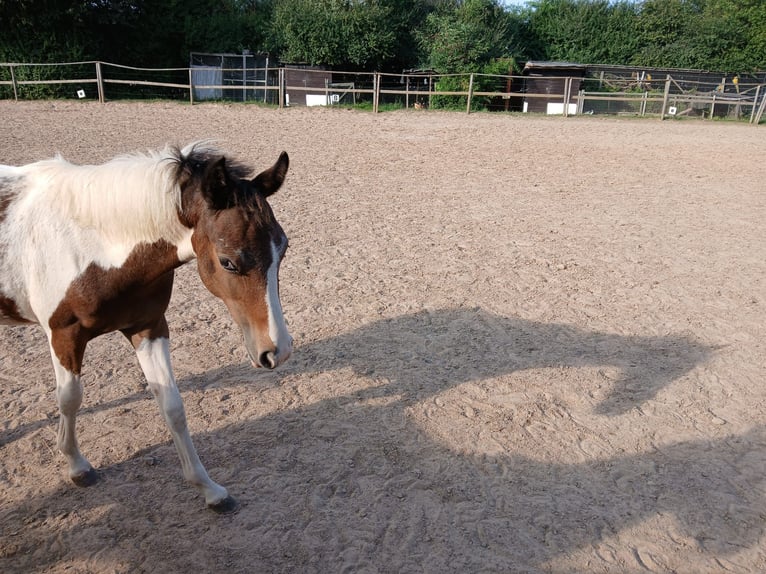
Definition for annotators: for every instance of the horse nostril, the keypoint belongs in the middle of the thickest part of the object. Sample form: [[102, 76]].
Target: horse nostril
[[268, 359]]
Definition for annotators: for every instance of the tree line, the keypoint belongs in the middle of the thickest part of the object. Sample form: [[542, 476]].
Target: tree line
[[448, 36]]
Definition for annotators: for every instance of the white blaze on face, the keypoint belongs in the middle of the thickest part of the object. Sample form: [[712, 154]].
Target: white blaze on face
[[277, 327]]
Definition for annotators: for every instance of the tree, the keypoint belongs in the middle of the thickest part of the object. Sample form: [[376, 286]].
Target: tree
[[584, 31], [43, 31], [164, 33], [353, 33], [463, 36], [726, 35], [732, 35], [668, 34]]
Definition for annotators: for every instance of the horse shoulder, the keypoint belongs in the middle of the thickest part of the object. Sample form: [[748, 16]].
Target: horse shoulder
[[108, 298]]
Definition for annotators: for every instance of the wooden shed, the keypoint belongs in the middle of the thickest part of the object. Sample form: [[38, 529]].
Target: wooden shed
[[548, 84], [306, 85]]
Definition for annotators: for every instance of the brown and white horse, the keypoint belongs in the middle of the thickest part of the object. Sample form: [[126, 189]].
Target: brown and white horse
[[86, 250]]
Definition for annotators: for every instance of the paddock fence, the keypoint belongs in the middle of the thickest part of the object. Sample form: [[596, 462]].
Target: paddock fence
[[672, 95]]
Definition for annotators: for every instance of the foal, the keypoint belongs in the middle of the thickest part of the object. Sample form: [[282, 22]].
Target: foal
[[86, 250]]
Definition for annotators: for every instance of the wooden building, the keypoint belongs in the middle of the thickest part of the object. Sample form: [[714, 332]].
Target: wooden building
[[306, 85], [547, 84]]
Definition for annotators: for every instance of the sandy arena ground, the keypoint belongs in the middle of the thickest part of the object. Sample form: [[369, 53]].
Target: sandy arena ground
[[523, 344]]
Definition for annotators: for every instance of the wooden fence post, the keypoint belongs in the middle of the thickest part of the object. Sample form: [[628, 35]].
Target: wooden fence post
[[723, 91], [407, 94], [755, 103], [665, 97], [100, 83], [191, 88], [470, 95], [281, 88], [761, 109], [430, 89], [266, 82], [376, 92], [15, 87]]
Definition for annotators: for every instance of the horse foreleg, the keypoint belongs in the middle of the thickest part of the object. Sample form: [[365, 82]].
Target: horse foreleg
[[69, 396], [154, 356]]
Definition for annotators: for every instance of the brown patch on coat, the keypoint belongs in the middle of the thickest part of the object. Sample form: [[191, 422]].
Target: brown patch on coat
[[9, 310], [132, 298]]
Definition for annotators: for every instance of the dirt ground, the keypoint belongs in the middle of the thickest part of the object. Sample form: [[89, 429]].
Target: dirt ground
[[523, 344]]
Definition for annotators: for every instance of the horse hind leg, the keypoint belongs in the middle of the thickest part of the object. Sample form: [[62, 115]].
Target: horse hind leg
[[69, 396]]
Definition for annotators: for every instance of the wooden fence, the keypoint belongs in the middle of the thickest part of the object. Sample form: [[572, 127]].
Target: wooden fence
[[285, 86]]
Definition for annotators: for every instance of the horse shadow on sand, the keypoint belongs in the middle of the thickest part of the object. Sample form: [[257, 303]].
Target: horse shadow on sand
[[430, 351], [351, 480]]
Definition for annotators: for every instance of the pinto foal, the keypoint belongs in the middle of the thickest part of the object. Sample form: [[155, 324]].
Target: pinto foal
[[86, 250]]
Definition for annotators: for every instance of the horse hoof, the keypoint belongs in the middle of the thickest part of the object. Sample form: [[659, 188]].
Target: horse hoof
[[225, 506], [87, 478]]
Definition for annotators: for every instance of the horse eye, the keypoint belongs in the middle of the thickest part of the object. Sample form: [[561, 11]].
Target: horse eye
[[228, 264]]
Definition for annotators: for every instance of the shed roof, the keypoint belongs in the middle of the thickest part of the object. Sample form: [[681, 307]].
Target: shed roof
[[531, 66], [420, 71]]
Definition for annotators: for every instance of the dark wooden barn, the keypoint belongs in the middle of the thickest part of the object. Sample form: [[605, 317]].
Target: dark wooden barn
[[545, 84], [306, 85]]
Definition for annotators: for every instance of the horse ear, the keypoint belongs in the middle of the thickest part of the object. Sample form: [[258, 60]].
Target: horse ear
[[216, 186], [270, 180]]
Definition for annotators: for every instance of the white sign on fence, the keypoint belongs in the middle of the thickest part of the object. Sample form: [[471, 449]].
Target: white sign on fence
[[321, 99], [316, 100], [554, 109]]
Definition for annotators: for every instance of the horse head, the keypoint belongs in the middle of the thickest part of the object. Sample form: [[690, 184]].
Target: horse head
[[239, 245]]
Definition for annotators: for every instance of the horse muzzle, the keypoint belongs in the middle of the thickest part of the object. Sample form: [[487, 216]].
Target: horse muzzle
[[269, 356], [272, 359]]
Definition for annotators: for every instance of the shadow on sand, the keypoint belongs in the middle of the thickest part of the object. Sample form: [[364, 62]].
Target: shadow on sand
[[351, 481]]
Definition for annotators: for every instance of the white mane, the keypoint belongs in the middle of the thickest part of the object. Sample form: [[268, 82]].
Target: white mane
[[131, 198]]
